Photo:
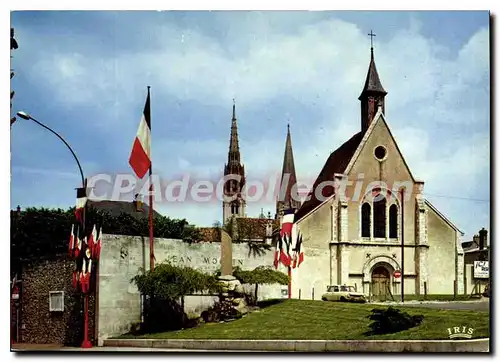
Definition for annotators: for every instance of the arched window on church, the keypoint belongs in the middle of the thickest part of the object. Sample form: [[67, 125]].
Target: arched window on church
[[232, 209], [393, 221], [236, 208], [379, 207], [365, 220]]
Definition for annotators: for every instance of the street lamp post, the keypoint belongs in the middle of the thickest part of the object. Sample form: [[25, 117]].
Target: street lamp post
[[26, 116], [86, 343]]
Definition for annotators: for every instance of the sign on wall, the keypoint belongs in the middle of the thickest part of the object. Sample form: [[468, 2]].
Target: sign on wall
[[481, 269]]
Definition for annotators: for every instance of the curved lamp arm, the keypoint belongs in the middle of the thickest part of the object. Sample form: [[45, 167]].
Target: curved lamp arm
[[25, 115]]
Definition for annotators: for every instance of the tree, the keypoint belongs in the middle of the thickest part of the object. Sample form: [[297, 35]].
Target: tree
[[247, 232], [39, 233], [260, 275], [172, 282], [165, 286]]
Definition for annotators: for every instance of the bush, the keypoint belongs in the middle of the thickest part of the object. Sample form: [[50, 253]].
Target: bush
[[392, 320], [221, 311], [172, 282], [166, 287]]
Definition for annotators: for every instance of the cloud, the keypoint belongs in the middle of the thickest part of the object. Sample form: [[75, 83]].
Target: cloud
[[304, 68]]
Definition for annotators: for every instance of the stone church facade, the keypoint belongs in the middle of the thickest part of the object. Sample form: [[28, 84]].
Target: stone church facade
[[354, 222]]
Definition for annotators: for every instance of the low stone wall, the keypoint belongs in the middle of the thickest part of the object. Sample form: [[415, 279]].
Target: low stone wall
[[476, 345], [122, 257]]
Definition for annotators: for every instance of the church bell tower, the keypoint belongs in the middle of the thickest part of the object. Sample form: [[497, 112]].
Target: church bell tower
[[373, 94]]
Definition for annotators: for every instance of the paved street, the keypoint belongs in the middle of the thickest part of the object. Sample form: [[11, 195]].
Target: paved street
[[483, 305], [478, 306], [117, 349]]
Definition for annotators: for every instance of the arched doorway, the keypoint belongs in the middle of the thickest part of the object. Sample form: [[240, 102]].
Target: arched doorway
[[381, 283]]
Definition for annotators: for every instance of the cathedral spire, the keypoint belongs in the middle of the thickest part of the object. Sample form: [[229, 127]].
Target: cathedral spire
[[234, 147], [373, 94], [288, 179], [235, 183]]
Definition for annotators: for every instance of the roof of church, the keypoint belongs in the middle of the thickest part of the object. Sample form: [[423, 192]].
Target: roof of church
[[336, 163], [372, 82]]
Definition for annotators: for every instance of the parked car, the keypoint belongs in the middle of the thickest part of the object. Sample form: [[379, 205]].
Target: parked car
[[343, 293]]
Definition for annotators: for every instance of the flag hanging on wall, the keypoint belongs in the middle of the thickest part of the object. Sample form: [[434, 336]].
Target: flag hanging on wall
[[140, 157]]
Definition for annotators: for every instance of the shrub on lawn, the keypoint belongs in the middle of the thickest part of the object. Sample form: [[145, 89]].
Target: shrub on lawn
[[165, 289], [392, 320], [221, 311]]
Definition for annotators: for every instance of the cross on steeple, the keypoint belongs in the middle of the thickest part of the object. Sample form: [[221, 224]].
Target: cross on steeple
[[371, 35]]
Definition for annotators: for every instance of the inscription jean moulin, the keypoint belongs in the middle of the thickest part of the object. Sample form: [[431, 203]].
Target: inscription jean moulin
[[179, 259]]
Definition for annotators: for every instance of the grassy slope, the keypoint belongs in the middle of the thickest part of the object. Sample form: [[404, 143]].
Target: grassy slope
[[300, 319]]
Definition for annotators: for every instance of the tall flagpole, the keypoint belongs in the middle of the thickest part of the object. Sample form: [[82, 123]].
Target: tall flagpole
[[151, 234]]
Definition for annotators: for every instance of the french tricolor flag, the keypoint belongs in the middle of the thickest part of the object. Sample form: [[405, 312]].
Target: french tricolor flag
[[81, 200], [140, 157], [283, 250]]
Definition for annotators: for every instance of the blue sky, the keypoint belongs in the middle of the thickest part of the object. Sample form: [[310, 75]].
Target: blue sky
[[85, 74]]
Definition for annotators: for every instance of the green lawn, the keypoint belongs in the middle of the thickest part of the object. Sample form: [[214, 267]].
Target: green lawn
[[301, 319]]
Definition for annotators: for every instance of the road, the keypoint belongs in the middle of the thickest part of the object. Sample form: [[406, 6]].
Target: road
[[483, 305], [120, 349]]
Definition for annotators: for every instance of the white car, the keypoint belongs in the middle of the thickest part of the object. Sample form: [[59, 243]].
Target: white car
[[343, 293]]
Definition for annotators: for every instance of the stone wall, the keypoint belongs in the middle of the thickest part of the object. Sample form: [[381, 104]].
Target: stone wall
[[123, 256], [441, 258], [38, 324]]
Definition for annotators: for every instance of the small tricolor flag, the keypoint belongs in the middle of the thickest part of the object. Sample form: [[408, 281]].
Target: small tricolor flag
[[71, 246], [92, 239], [77, 244], [97, 247], [86, 271], [298, 253], [284, 247], [140, 157], [81, 200]]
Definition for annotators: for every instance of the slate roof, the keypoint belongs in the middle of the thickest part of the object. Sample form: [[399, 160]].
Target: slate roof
[[336, 163], [372, 82]]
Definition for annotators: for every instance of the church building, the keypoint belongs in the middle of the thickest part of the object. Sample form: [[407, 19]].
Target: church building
[[354, 220]]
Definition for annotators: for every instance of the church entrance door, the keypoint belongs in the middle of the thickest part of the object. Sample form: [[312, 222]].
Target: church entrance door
[[381, 282]]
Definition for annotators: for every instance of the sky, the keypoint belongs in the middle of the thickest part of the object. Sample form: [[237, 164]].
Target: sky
[[85, 75]]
